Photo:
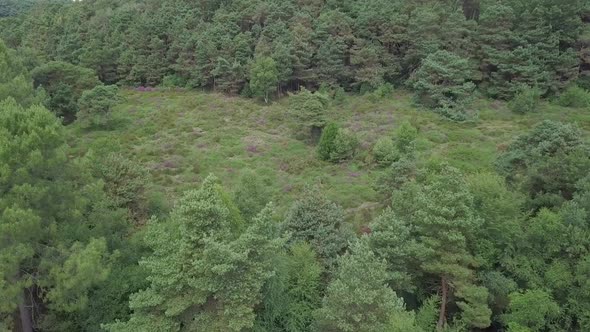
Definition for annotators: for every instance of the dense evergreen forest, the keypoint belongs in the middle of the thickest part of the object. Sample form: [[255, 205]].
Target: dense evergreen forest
[[295, 165]]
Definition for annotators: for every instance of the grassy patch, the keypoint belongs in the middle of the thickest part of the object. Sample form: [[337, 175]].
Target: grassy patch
[[182, 136]]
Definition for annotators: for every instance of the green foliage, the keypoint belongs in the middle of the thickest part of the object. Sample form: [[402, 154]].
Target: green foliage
[[438, 200], [320, 223], [574, 96], [326, 143], [293, 294], [358, 299], [384, 151], [198, 266], [383, 91], [263, 76], [58, 222], [532, 310], [443, 83], [64, 83], [125, 182], [395, 176], [387, 150], [310, 110], [526, 100], [251, 194], [336, 144], [345, 144], [95, 106], [405, 138], [531, 160], [173, 81], [15, 81]]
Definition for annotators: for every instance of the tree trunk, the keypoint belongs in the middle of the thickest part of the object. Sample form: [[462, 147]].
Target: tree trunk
[[25, 314], [442, 316]]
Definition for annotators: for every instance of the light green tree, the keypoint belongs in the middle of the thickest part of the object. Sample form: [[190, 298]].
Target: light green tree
[[264, 76], [358, 298]]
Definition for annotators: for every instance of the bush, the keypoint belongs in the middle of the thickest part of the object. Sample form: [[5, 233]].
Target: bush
[[384, 151], [405, 138], [339, 95], [96, 104], [326, 144], [309, 110], [345, 145], [574, 96], [395, 176], [63, 102], [336, 144], [64, 83], [173, 81], [125, 182], [526, 100], [384, 90]]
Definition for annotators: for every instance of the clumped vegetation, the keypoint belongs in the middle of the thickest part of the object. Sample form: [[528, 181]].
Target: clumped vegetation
[[526, 100], [294, 166], [574, 96]]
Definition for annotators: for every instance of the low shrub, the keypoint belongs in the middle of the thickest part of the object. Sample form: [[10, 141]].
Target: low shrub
[[526, 100], [384, 151], [574, 96]]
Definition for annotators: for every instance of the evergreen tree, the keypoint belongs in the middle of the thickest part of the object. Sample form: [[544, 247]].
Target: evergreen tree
[[59, 229], [443, 82], [358, 299], [203, 273], [309, 109], [437, 214], [316, 220]]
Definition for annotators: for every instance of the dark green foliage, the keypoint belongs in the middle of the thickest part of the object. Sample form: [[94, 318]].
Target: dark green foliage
[[443, 83], [384, 151], [316, 220], [15, 81], [397, 174], [58, 224], [199, 263], [64, 84], [436, 214], [467, 250], [574, 96], [125, 182], [388, 150], [95, 105], [531, 160], [345, 144], [526, 100]]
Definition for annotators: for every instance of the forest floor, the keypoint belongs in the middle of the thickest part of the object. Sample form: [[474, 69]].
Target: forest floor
[[182, 136]]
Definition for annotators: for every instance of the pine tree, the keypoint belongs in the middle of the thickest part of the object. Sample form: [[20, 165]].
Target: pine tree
[[443, 82], [57, 223], [316, 220], [203, 272], [358, 298], [437, 213]]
